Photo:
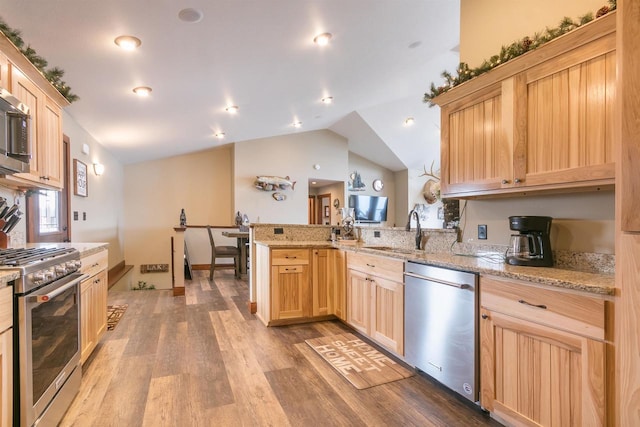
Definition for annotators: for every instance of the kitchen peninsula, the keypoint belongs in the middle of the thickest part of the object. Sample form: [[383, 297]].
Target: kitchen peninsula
[[362, 284]]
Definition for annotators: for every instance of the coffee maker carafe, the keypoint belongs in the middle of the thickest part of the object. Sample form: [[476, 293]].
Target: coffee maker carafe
[[531, 247]]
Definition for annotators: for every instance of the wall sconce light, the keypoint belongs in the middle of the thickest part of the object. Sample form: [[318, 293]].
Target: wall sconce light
[[98, 168]]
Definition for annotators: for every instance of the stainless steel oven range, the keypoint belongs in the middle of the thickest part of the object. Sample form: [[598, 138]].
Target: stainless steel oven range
[[46, 330]]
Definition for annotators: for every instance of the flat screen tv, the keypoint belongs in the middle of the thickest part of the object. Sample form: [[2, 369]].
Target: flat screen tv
[[369, 208]]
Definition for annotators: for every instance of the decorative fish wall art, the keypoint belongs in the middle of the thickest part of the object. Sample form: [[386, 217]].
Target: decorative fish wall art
[[274, 183]]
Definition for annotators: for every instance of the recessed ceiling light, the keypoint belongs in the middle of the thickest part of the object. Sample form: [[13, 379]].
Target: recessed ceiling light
[[322, 39], [296, 124], [127, 42], [314, 182], [327, 100], [190, 15], [142, 90], [409, 121], [220, 135], [232, 109]]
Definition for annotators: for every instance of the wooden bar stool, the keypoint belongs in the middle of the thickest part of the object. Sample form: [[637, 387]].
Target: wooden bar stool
[[223, 252]]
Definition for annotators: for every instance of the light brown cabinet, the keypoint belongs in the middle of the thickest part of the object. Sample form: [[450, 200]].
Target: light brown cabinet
[[375, 298], [338, 285], [93, 302], [543, 355], [45, 104], [291, 293], [538, 123], [6, 356], [294, 284]]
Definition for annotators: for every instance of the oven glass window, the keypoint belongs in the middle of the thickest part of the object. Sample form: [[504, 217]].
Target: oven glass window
[[54, 333]]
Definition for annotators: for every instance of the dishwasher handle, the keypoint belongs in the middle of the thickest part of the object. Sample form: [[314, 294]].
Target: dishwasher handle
[[440, 281]]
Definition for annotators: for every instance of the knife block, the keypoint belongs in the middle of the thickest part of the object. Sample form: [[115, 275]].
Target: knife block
[[4, 240]]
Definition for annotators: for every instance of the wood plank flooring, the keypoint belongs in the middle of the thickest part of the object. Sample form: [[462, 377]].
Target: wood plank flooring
[[203, 360]]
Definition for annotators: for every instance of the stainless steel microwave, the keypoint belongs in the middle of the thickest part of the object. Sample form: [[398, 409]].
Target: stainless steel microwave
[[14, 134]]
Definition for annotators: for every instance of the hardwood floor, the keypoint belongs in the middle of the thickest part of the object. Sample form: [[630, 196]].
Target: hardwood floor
[[203, 360]]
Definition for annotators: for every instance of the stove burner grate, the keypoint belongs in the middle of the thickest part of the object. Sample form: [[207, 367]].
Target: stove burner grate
[[24, 256]]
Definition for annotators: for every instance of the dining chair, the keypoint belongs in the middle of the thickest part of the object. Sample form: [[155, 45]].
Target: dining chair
[[223, 252]]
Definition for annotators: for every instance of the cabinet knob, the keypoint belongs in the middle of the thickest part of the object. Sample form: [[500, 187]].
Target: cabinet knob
[[518, 181], [505, 181], [484, 316]]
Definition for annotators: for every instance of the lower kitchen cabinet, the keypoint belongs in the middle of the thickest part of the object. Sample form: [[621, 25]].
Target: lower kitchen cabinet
[[375, 299], [543, 355], [93, 303], [294, 284], [338, 289], [6, 356]]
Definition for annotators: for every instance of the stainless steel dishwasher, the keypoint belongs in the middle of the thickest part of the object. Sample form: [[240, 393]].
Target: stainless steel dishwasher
[[440, 330]]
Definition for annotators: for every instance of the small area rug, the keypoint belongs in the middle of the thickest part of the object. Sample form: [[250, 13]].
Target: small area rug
[[360, 363], [114, 314]]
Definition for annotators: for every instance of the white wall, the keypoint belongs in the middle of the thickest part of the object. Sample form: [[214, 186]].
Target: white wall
[[370, 171], [104, 205], [289, 155]]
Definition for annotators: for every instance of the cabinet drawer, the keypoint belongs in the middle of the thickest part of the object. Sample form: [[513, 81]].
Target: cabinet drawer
[[95, 263], [6, 307], [389, 268], [289, 256], [575, 313]]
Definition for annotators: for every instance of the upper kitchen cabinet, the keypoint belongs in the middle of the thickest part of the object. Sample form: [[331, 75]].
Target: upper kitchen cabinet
[[541, 122], [45, 103]]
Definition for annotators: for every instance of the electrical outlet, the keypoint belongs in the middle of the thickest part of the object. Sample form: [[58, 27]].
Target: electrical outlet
[[482, 231], [376, 234], [278, 230]]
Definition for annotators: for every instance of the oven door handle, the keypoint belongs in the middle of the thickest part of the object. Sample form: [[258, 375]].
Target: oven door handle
[[39, 299]]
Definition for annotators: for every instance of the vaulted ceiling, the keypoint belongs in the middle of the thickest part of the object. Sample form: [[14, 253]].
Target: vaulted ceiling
[[258, 55]]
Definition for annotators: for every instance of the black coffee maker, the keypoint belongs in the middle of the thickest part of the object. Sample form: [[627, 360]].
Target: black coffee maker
[[531, 247]]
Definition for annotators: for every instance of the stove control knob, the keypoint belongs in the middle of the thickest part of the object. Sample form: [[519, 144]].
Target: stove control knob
[[49, 275], [37, 276], [60, 270]]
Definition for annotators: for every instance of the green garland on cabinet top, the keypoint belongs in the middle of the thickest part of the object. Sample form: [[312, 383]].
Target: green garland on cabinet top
[[514, 50], [54, 75]]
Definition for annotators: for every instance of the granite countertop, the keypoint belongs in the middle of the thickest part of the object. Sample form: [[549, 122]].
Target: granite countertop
[[490, 264]]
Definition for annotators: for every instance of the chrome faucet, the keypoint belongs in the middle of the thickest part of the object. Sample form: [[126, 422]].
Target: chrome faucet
[[418, 229]]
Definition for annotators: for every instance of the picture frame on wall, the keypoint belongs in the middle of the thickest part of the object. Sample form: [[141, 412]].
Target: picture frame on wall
[[80, 179], [326, 211]]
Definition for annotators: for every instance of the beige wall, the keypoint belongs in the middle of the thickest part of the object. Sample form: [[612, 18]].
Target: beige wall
[[155, 191], [288, 155], [583, 222], [487, 25]]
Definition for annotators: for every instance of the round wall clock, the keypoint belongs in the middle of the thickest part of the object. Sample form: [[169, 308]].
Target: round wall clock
[[336, 203], [378, 185]]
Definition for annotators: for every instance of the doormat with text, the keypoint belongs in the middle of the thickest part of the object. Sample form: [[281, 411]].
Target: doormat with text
[[360, 363], [114, 314]]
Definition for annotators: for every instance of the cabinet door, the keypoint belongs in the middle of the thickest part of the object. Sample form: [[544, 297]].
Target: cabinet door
[[50, 144], [569, 116], [536, 375], [30, 95], [476, 155], [100, 287], [339, 284], [387, 313], [4, 72], [87, 322], [322, 271], [290, 292], [6, 382], [359, 301]]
